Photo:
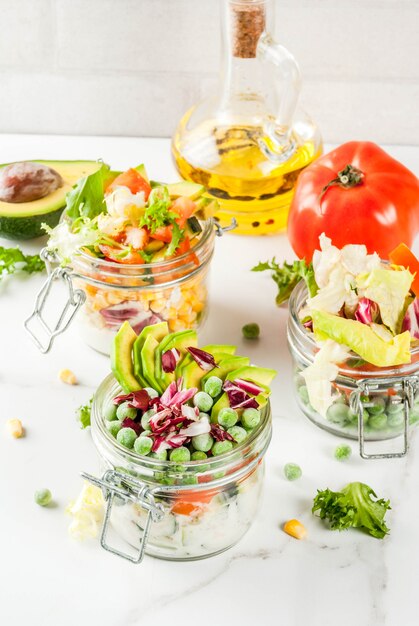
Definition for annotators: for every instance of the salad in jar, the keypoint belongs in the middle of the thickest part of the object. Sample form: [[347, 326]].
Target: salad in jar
[[138, 249], [192, 425], [354, 324]]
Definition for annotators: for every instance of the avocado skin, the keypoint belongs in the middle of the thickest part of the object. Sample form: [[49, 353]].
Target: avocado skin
[[28, 227]]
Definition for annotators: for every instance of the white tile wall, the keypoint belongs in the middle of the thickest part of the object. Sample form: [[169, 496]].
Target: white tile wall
[[132, 67]]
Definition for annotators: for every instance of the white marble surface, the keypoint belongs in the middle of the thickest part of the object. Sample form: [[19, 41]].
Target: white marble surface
[[48, 579]]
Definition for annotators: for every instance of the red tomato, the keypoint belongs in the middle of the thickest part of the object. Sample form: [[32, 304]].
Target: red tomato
[[133, 180], [355, 194], [112, 254], [184, 207], [164, 233]]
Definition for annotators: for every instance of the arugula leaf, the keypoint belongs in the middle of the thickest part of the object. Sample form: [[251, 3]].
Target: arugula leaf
[[83, 414], [353, 507], [13, 260], [288, 276], [87, 198]]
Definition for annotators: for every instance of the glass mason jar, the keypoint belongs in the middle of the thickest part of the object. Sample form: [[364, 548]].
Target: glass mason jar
[[248, 142], [371, 403], [170, 290], [172, 511]]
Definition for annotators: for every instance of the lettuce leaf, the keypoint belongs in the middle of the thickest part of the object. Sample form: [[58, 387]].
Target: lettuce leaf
[[390, 290], [361, 339], [86, 199]]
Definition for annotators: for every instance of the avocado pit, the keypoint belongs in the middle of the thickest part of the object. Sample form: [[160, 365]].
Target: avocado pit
[[27, 181]]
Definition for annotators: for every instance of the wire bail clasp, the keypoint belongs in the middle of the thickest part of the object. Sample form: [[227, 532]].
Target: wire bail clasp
[[116, 485], [406, 388], [35, 324], [220, 230]]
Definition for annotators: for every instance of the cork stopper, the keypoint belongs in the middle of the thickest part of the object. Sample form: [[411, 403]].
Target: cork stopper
[[247, 25]]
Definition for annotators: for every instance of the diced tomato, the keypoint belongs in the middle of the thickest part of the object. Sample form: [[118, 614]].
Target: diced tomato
[[136, 237], [402, 255], [191, 501], [184, 207], [113, 254], [164, 233], [183, 247], [133, 180]]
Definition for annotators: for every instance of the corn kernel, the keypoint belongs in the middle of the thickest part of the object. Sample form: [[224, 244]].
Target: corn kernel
[[176, 325], [197, 306], [295, 528], [15, 428], [157, 306], [67, 377]]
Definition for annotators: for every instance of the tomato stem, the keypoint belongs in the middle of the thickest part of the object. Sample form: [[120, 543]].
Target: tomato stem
[[347, 178]]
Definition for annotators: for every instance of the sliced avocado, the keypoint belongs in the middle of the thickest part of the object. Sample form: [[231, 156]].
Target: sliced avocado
[[227, 365], [121, 358], [158, 331], [147, 363], [258, 375], [180, 340], [23, 220], [222, 403], [206, 208], [185, 188]]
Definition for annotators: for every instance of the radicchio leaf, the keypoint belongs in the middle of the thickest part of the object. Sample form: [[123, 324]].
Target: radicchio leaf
[[119, 312], [367, 311], [137, 399], [169, 360], [220, 434], [129, 423], [238, 398], [205, 360], [169, 393], [199, 427], [190, 412], [248, 386], [148, 321], [411, 319]]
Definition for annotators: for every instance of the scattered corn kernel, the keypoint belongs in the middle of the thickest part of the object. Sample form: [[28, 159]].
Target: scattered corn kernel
[[295, 528], [157, 306], [67, 377], [15, 428]]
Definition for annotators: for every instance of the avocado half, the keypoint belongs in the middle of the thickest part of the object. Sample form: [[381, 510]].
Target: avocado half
[[23, 220]]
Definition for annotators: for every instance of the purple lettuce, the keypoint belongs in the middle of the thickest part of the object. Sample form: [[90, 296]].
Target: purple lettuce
[[367, 311], [205, 360], [411, 319], [169, 360]]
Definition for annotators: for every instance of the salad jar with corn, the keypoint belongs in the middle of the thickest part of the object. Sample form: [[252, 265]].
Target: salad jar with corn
[[129, 250]]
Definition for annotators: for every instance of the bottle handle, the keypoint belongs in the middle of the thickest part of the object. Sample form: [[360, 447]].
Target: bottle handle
[[278, 143]]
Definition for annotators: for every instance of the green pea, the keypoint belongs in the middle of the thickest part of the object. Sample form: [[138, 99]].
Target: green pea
[[292, 471], [160, 456], [43, 497], [126, 437], [180, 455], [303, 393], [190, 480], [203, 442], [343, 452], [338, 413], [251, 331], [221, 447], [113, 427], [238, 433], [213, 386], [395, 420], [203, 401], [414, 415], [227, 417], [250, 418], [394, 407], [146, 417], [109, 412], [353, 417], [378, 406], [143, 445], [145, 433], [378, 422], [198, 455], [125, 410]]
